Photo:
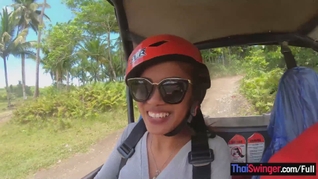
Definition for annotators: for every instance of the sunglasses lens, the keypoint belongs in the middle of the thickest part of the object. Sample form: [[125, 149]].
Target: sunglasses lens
[[140, 89], [173, 91]]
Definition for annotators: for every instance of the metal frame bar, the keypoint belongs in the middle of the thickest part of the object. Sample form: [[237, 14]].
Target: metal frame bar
[[128, 48], [238, 122]]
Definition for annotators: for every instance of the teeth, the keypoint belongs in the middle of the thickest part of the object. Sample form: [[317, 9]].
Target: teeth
[[158, 115]]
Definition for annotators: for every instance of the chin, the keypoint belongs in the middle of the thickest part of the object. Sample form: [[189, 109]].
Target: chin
[[153, 129], [157, 132]]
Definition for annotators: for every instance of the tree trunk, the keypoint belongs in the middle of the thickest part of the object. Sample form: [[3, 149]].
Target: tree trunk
[[37, 70], [38, 50], [229, 59], [110, 55], [23, 67], [23, 76], [223, 57], [82, 78], [101, 72], [58, 80], [52, 76], [67, 81], [7, 83]]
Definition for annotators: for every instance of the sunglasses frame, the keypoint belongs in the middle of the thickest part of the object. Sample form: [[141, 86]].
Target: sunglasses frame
[[189, 82]]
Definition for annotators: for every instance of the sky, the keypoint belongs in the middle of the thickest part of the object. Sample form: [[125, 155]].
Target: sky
[[57, 13]]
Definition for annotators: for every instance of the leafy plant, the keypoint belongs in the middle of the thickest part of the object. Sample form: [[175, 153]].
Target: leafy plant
[[83, 102], [260, 84]]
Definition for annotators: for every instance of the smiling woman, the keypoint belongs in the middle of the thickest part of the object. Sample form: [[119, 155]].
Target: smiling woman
[[168, 80]]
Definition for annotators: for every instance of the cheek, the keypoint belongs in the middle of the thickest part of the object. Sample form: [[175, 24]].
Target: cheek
[[140, 107], [139, 104]]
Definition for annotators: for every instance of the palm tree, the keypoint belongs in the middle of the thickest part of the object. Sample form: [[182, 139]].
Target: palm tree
[[11, 44], [28, 14], [38, 60], [61, 49]]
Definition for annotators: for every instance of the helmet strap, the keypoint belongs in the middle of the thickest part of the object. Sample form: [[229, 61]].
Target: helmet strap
[[194, 108], [187, 120], [198, 123], [180, 127]]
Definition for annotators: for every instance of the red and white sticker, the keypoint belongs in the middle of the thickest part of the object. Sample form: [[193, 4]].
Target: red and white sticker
[[237, 147], [255, 148]]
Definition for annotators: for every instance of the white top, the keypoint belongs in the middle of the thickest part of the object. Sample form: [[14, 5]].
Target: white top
[[178, 168]]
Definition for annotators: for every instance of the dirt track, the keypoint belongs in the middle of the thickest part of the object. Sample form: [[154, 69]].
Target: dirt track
[[81, 164], [222, 99], [5, 116]]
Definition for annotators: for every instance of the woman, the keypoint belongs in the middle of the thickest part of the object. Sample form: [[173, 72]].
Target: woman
[[168, 80]]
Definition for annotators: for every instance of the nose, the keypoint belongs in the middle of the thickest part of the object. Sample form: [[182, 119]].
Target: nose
[[155, 97]]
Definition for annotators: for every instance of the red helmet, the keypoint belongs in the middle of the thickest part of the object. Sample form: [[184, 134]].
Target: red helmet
[[162, 48]]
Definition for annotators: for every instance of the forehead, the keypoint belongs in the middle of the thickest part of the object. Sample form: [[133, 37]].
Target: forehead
[[168, 69]]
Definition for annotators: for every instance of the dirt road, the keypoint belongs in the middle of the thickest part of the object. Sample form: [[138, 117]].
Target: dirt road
[[223, 99], [5, 116]]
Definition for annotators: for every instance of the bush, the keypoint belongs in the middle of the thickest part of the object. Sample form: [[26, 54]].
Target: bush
[[16, 92], [3, 97], [86, 101], [260, 83], [261, 91]]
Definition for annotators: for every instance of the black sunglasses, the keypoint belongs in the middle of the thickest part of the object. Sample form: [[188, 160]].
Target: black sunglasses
[[172, 90]]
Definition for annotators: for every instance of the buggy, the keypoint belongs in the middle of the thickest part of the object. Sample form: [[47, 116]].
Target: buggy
[[222, 23]]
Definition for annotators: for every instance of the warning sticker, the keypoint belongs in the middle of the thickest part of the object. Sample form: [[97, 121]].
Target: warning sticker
[[237, 147], [255, 147]]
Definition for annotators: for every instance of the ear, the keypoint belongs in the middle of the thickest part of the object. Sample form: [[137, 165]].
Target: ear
[[194, 108]]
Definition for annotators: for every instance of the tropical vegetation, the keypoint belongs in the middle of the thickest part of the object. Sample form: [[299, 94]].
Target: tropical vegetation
[[88, 48]]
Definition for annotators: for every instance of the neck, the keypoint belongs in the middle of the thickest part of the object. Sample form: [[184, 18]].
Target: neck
[[161, 143]]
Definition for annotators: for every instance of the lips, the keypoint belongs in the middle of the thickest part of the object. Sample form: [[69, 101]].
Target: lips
[[157, 118]]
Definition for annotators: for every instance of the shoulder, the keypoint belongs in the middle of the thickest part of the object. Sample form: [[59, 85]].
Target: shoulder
[[222, 158], [127, 131], [130, 127], [220, 148], [218, 143]]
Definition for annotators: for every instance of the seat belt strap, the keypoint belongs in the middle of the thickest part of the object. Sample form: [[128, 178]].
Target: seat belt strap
[[288, 56], [127, 148], [200, 156]]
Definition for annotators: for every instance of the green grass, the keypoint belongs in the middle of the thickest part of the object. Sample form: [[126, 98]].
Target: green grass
[[15, 102], [3, 106], [25, 149]]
